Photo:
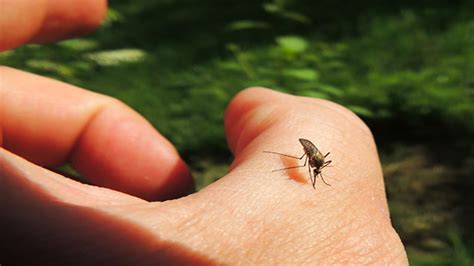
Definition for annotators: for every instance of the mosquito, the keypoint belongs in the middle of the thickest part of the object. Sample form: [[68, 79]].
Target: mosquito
[[315, 160]]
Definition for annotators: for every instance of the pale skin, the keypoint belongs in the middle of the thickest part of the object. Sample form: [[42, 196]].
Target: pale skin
[[250, 216]]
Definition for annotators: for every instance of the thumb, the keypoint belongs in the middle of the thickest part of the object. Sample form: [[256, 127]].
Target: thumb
[[259, 120]]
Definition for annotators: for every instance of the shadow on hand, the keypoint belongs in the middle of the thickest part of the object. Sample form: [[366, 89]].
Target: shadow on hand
[[299, 174], [36, 229]]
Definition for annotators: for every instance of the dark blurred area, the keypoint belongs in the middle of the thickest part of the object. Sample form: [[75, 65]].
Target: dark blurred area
[[406, 68], [206, 24]]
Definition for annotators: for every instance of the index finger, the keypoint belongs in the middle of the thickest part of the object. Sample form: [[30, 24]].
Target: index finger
[[51, 123], [44, 21]]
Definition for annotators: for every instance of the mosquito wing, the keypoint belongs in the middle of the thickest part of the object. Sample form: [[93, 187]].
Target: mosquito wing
[[309, 147]]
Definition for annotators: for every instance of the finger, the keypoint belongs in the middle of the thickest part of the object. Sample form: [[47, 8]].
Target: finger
[[46, 21], [260, 120], [51, 123]]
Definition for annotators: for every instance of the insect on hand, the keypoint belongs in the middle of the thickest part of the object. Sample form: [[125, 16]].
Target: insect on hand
[[315, 160]]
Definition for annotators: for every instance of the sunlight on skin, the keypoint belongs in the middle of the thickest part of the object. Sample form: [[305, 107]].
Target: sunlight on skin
[[107, 142], [43, 21]]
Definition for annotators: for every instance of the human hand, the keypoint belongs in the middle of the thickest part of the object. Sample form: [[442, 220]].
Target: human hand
[[250, 216]]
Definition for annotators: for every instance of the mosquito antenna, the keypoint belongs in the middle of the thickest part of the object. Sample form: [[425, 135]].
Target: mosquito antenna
[[299, 158]]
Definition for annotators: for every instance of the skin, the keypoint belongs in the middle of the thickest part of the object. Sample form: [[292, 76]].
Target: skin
[[43, 21], [250, 216]]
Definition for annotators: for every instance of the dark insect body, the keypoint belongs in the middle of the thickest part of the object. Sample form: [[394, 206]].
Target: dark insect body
[[315, 160]]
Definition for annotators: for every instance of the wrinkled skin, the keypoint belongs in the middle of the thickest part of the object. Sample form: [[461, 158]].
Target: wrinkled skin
[[250, 216]]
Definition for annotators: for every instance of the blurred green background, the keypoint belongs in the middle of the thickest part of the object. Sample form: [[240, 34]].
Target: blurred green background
[[406, 68]]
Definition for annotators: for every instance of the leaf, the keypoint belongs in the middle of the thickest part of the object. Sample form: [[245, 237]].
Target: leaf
[[232, 47], [335, 64], [330, 89], [271, 8], [79, 44], [314, 94], [296, 17], [307, 74], [52, 66], [113, 16], [292, 44], [247, 24], [360, 110], [117, 57], [229, 65]]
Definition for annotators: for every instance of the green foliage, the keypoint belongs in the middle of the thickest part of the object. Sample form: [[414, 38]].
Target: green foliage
[[247, 24], [116, 57], [292, 45], [458, 254], [410, 71], [461, 253], [396, 69], [280, 9], [306, 74]]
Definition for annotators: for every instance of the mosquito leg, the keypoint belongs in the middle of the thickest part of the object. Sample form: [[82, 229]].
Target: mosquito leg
[[305, 161], [288, 168], [309, 171], [311, 177], [326, 164], [321, 174], [326, 155], [299, 158]]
